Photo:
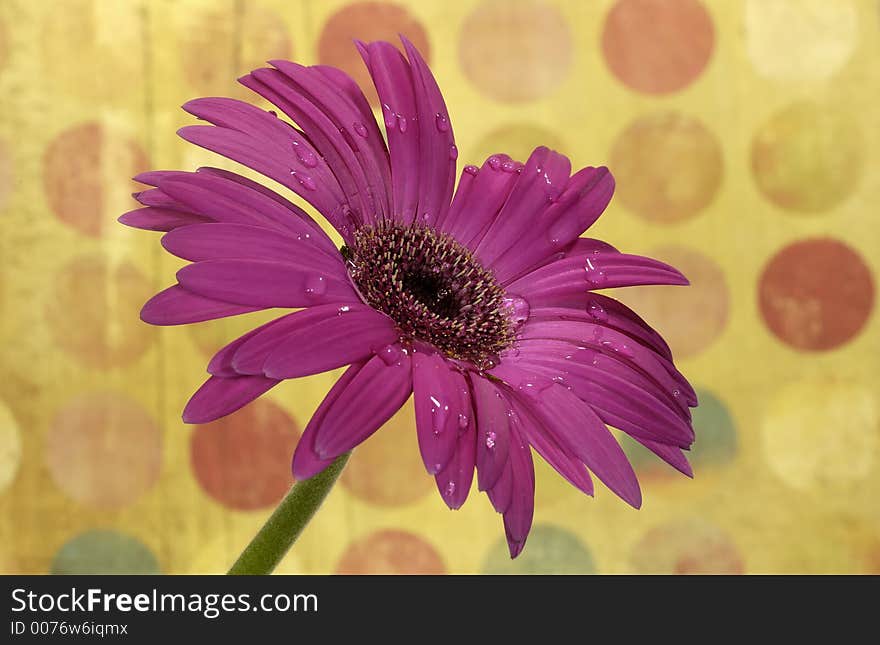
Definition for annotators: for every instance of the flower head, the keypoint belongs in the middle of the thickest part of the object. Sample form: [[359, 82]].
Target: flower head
[[482, 304]]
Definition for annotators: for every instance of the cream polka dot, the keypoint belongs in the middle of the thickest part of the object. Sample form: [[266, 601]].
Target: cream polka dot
[[800, 39], [821, 435]]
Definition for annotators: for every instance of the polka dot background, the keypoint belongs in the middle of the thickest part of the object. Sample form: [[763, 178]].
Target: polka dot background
[[744, 141]]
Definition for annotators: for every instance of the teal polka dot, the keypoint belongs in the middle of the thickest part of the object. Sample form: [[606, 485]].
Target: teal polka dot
[[549, 550], [104, 552]]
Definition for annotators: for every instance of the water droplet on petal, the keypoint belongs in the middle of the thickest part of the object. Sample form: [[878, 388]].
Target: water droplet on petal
[[316, 286], [390, 116], [450, 489], [595, 276], [494, 162], [344, 309], [517, 308], [305, 156], [597, 311], [391, 354], [453, 152], [360, 129], [625, 350], [304, 180], [676, 393], [508, 166], [463, 421], [442, 123], [471, 170], [490, 439], [401, 123]]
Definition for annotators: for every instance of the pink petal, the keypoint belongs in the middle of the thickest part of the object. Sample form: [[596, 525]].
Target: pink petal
[[366, 161], [580, 432], [470, 218], [493, 436], [221, 396], [159, 219], [372, 397], [670, 454], [394, 83], [259, 283], [216, 241], [318, 186], [439, 393], [531, 429], [348, 334], [454, 481], [437, 152], [580, 204], [541, 181], [177, 306], [566, 282], [306, 462], [521, 509]]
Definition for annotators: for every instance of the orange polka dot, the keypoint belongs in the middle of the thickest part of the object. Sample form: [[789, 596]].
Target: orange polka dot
[[386, 469], [515, 51], [689, 318], [243, 460], [516, 140], [87, 173], [668, 167], [816, 294], [367, 21], [218, 46], [657, 46], [807, 158], [391, 552], [92, 311], [689, 547], [104, 450]]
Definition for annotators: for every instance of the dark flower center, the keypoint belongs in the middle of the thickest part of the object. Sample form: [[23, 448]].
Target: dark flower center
[[433, 288]]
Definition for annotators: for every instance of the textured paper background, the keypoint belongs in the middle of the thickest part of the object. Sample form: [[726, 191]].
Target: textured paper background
[[744, 138]]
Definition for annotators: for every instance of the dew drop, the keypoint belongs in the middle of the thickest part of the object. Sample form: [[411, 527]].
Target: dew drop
[[304, 180], [517, 308], [463, 421], [490, 439], [306, 157], [597, 311], [471, 170], [401, 123], [360, 129], [508, 166], [316, 286], [391, 355], [625, 350], [390, 117], [595, 276], [494, 162], [450, 489], [676, 393], [453, 152], [344, 309], [442, 123]]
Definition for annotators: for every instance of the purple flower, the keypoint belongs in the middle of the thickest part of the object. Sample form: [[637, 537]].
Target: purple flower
[[480, 304]]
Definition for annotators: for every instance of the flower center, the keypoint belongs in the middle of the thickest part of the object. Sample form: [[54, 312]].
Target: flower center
[[433, 288]]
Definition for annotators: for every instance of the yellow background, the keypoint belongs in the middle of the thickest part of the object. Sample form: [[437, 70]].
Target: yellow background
[[772, 141]]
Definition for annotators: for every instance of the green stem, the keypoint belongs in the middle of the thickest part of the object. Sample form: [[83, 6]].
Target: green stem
[[281, 530]]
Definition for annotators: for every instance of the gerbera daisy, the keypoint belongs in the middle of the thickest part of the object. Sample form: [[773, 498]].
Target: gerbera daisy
[[482, 304]]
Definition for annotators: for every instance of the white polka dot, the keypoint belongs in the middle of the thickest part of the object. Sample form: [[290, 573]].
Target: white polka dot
[[800, 39], [821, 435]]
